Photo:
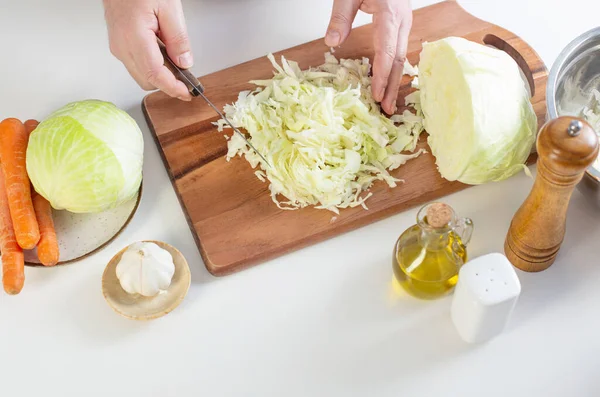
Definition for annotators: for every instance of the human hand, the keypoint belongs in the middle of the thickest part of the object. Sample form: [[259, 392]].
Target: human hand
[[392, 20], [133, 26]]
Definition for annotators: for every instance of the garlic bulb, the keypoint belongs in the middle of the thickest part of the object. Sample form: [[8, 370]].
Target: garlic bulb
[[145, 269]]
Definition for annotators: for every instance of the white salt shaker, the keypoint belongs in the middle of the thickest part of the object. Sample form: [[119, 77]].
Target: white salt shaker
[[484, 298]]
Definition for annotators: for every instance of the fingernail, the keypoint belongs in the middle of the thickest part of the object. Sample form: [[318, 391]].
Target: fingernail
[[186, 60], [391, 108], [183, 98], [332, 39]]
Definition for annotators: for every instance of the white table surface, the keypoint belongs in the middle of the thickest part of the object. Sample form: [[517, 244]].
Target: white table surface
[[319, 322]]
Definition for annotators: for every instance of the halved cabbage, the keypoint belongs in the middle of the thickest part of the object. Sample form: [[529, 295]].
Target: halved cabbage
[[477, 110]]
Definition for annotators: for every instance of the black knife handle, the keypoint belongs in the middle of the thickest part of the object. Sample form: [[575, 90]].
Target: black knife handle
[[183, 75]]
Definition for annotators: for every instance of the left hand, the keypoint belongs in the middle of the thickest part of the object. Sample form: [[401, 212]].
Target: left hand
[[392, 20]]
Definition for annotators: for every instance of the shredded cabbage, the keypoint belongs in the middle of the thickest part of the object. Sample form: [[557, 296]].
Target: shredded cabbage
[[591, 112], [322, 133]]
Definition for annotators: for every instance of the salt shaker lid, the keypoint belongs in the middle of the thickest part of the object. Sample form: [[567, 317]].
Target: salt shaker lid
[[491, 277]]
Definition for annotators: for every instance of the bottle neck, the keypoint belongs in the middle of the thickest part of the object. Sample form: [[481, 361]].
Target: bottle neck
[[435, 239]]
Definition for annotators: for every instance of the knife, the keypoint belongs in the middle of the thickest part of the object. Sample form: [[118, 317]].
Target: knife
[[197, 90]]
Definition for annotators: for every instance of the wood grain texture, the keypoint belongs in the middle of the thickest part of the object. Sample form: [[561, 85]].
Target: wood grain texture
[[229, 210], [538, 228]]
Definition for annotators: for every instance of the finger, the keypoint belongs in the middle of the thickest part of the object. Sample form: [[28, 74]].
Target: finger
[[342, 16], [127, 59], [173, 32], [386, 25], [391, 92], [142, 82], [150, 65]]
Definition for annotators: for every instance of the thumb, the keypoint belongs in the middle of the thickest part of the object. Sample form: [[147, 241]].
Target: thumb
[[173, 32], [342, 16]]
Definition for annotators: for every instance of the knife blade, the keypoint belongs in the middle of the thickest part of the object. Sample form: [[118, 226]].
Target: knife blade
[[196, 89]]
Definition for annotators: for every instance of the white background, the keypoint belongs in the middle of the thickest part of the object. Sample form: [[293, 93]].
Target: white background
[[319, 322]]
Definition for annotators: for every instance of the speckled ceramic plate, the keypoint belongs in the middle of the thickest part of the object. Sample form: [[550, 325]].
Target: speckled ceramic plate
[[138, 307], [81, 235]]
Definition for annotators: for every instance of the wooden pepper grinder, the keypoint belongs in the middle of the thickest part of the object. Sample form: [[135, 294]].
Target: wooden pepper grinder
[[566, 147]]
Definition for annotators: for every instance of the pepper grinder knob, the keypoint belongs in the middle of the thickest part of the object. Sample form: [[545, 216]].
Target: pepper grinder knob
[[566, 147]]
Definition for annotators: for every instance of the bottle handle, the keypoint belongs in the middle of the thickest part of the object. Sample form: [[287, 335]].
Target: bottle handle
[[464, 228]]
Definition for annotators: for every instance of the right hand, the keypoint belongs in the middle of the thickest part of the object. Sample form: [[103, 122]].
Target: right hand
[[133, 26], [392, 21]]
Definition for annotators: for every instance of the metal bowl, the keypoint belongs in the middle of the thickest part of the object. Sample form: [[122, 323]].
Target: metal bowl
[[573, 76]]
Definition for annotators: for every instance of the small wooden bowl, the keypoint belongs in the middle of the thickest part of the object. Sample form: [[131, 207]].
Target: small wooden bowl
[[138, 307]]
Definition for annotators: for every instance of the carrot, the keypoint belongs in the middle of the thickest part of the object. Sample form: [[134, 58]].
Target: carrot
[[47, 247], [30, 125], [13, 146], [13, 262]]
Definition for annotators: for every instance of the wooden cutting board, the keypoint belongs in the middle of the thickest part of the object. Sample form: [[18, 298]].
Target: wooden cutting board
[[230, 211]]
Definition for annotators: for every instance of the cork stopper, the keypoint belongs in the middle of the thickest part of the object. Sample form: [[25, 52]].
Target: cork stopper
[[439, 215]]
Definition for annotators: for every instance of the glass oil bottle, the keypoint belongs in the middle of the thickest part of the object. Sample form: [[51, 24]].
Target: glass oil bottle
[[428, 255]]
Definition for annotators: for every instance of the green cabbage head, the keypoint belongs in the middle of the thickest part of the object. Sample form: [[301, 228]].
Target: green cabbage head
[[86, 157]]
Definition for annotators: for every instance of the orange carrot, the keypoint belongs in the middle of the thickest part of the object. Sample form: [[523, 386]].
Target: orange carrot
[[47, 247], [13, 262], [13, 146], [30, 125]]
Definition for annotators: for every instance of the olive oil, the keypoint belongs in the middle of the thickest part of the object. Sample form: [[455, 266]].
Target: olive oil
[[430, 272], [427, 259]]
